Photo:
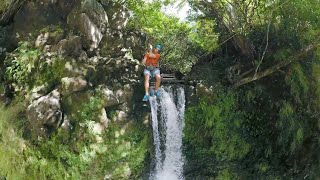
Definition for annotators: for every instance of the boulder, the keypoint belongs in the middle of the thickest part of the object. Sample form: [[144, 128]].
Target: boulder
[[95, 12], [65, 129], [90, 19], [103, 119], [90, 31], [69, 47], [42, 39], [37, 92], [118, 15], [66, 125], [49, 36], [112, 43], [120, 116], [109, 97], [113, 96], [116, 43], [44, 114], [72, 84]]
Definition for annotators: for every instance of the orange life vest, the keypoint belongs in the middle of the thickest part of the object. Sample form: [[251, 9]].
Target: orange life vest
[[152, 61]]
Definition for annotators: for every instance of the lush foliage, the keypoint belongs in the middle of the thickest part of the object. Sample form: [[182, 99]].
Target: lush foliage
[[120, 155], [26, 68], [278, 114], [267, 128], [4, 4], [19, 68], [218, 122], [182, 42]]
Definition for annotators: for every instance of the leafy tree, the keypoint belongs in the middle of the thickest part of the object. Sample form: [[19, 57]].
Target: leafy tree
[[258, 29], [181, 41], [274, 46]]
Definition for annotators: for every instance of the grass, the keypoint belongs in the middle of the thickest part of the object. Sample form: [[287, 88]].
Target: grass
[[12, 145]]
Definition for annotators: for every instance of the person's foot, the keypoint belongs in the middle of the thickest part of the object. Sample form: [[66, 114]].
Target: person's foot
[[157, 94], [145, 98]]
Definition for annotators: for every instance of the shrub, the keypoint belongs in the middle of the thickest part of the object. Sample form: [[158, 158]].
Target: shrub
[[27, 67], [20, 66], [121, 155], [215, 124]]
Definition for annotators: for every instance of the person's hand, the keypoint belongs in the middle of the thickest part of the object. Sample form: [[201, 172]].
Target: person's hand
[[143, 62]]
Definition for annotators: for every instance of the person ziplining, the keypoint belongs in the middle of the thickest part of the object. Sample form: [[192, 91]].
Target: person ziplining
[[151, 63]]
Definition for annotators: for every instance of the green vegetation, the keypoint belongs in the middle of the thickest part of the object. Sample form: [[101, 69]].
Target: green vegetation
[[182, 43], [25, 68], [20, 67], [265, 127], [121, 154], [218, 123], [226, 175], [89, 109], [11, 143], [4, 4]]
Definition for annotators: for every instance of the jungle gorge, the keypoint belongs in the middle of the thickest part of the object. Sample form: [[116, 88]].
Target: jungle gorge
[[71, 88]]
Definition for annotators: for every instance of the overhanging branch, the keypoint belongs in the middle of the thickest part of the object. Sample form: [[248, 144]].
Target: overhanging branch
[[279, 65], [14, 6]]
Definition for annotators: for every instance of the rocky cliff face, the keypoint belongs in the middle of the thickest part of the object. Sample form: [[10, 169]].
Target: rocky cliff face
[[76, 65], [95, 54]]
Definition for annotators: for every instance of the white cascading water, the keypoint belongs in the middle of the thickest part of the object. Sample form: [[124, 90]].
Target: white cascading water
[[168, 164], [156, 136]]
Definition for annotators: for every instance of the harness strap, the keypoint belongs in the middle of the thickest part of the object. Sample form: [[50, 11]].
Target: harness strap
[[150, 68]]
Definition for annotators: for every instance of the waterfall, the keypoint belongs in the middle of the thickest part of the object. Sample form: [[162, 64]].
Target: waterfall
[[156, 136], [169, 163]]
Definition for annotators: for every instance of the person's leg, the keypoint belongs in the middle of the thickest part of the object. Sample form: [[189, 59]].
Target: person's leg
[[158, 80], [146, 83], [147, 75]]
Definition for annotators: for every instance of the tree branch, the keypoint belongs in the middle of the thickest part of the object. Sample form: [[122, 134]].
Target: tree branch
[[279, 65], [265, 49], [11, 11]]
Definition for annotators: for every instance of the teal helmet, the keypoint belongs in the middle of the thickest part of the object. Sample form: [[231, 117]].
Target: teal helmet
[[159, 47]]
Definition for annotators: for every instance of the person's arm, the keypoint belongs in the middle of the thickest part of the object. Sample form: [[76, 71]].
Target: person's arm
[[144, 60], [158, 59], [151, 54]]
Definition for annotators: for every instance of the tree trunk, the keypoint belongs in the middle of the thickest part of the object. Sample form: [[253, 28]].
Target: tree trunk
[[8, 14], [279, 65]]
